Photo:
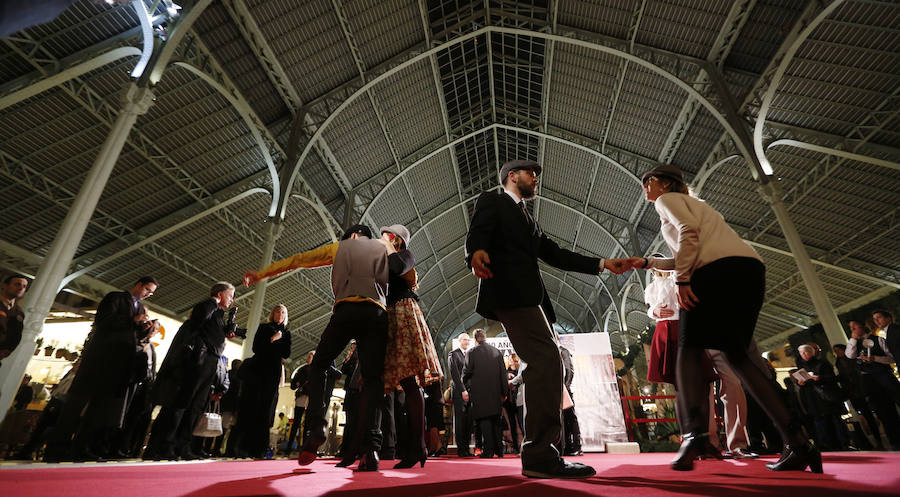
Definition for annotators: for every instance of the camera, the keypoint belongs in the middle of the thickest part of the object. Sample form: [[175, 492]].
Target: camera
[[231, 328]]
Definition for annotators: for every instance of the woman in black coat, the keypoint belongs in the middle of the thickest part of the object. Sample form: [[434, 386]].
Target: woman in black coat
[[261, 375], [823, 400]]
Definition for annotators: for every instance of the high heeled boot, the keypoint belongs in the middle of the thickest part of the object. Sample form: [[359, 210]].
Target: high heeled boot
[[693, 445]]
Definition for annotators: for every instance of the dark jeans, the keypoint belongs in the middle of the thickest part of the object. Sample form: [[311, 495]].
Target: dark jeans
[[367, 323]]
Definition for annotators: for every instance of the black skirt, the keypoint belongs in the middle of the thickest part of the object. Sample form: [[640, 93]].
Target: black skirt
[[730, 292]]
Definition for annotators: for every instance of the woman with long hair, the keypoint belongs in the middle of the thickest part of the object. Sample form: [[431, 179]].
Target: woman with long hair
[[721, 284], [410, 360]]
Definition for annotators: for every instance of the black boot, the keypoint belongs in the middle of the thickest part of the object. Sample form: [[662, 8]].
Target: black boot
[[369, 461], [692, 447], [798, 458]]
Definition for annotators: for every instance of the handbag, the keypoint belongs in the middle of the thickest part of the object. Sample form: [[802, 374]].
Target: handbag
[[210, 422]]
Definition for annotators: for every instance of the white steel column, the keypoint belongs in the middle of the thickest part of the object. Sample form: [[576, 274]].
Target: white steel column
[[135, 101], [259, 297], [771, 192]]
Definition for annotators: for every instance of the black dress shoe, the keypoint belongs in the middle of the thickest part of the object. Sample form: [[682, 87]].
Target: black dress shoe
[[368, 462], [408, 462], [798, 459], [740, 454], [465, 454], [692, 447], [345, 462], [558, 468], [711, 452]]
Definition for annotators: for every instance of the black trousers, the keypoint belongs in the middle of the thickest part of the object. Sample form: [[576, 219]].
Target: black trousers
[[572, 431], [462, 423], [367, 323], [295, 426], [174, 425], [883, 394], [533, 339], [491, 436]]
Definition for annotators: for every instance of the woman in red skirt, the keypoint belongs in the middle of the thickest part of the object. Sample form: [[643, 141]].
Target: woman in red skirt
[[662, 297], [410, 360]]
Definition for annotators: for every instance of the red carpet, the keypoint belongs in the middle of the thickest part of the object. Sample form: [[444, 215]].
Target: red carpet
[[644, 475]]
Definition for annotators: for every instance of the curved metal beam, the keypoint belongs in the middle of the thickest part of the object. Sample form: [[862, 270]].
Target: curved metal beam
[[243, 108], [185, 22], [776, 80], [570, 287], [160, 234], [833, 151], [700, 180], [435, 218], [147, 34], [515, 31], [489, 128], [67, 74], [323, 215]]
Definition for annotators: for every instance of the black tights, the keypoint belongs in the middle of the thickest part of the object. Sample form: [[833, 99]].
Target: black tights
[[415, 410], [692, 392]]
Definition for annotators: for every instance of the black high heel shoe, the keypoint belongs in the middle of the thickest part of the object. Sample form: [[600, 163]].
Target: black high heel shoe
[[798, 458], [692, 447], [407, 463]]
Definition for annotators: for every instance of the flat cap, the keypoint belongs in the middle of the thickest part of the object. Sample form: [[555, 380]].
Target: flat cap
[[357, 228], [399, 230], [664, 171], [515, 165]]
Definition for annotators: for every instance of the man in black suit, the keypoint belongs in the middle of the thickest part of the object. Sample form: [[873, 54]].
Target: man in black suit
[[502, 248], [885, 320], [106, 374], [188, 373], [488, 386], [462, 422]]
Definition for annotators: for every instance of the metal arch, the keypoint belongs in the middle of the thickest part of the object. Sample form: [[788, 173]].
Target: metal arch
[[453, 311], [67, 74], [175, 37], [516, 31], [494, 127], [610, 313], [147, 34], [776, 80], [323, 215], [570, 287], [160, 234], [704, 174], [833, 151], [243, 108], [447, 210]]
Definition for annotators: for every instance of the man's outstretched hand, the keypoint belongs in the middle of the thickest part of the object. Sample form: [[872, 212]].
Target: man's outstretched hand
[[480, 262]]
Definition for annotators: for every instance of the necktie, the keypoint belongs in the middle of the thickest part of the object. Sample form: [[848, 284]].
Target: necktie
[[525, 213]]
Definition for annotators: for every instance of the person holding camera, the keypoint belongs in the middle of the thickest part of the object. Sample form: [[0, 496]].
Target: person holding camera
[[106, 376], [188, 372]]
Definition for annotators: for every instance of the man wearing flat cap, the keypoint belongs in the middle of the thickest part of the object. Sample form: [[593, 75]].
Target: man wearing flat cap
[[359, 280], [502, 249]]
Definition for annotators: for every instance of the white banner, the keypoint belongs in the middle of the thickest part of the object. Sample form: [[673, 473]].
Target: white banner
[[594, 390]]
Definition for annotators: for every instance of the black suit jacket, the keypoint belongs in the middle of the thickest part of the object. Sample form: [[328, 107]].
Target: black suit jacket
[[485, 377], [109, 354], [457, 361], [514, 246], [893, 340]]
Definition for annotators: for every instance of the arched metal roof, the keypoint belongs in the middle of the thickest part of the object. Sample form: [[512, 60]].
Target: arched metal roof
[[326, 112]]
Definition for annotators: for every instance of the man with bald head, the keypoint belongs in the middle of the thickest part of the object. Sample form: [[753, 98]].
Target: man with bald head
[[462, 422]]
